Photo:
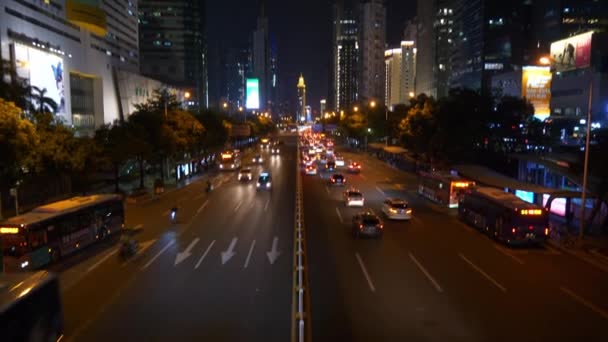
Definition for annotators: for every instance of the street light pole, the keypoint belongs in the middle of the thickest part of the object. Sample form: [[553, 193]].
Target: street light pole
[[585, 168], [387, 125]]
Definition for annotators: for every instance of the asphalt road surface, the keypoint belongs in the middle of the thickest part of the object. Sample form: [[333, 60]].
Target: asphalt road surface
[[436, 279], [222, 272]]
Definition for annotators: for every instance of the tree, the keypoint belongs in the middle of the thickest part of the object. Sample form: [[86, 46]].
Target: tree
[[116, 147], [417, 128], [215, 134], [40, 102], [12, 88], [18, 143], [355, 124]]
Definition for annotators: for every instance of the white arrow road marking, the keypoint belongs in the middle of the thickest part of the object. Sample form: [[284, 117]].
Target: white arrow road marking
[[238, 206], [202, 207], [187, 253], [266, 205], [249, 255], [204, 255], [229, 253], [273, 254], [339, 215], [158, 254]]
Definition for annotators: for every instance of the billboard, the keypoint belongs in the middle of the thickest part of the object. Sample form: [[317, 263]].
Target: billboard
[[240, 130], [572, 53], [536, 88], [252, 99], [44, 71]]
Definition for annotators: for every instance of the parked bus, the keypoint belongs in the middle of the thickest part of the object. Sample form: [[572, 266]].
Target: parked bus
[[442, 188], [504, 216], [55, 230], [30, 307], [230, 161]]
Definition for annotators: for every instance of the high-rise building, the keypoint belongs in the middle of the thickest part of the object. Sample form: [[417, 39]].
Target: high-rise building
[[87, 66], [435, 25], [373, 43], [345, 75], [262, 66], [400, 74], [322, 107], [237, 67], [172, 45], [302, 115]]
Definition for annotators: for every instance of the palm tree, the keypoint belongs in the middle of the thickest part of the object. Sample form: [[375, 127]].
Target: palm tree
[[40, 102], [12, 88]]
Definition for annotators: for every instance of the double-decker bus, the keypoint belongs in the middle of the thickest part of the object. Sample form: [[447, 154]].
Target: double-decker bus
[[504, 216], [30, 307], [230, 161], [442, 188], [49, 232]]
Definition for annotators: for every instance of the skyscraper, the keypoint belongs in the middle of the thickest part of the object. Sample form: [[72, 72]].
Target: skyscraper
[[237, 67], [172, 44], [400, 73], [373, 43], [435, 26], [262, 67], [345, 75], [302, 99]]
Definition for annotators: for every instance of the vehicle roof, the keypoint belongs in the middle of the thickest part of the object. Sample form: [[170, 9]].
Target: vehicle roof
[[15, 285], [396, 200], [245, 170], [51, 210], [508, 199], [337, 175]]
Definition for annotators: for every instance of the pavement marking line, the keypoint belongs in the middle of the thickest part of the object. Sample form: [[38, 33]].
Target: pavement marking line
[[238, 206], [327, 190], [102, 260], [369, 280], [266, 205], [249, 254], [204, 255], [158, 254], [487, 276], [426, 273], [202, 207], [363, 177], [138, 226], [339, 215], [380, 191], [198, 197], [507, 253], [585, 302]]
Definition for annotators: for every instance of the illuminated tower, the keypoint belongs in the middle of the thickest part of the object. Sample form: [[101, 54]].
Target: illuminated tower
[[301, 99]]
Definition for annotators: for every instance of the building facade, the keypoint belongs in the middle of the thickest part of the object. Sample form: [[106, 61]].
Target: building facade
[[302, 114], [400, 74], [345, 75], [89, 71], [172, 45], [262, 66], [435, 20], [373, 43]]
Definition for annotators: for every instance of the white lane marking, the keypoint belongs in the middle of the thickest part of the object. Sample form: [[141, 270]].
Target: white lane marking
[[487, 276], [266, 205], [204, 255], [202, 207], [249, 254], [139, 226], [327, 190], [339, 215], [252, 205], [426, 273], [363, 177], [507, 253], [102, 260], [158, 254], [238, 206], [585, 302], [380, 191], [369, 280]]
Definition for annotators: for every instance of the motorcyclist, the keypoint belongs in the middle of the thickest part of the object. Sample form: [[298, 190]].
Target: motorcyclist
[[173, 213], [209, 186]]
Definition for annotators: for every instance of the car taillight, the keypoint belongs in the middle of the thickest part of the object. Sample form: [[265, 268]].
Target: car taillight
[[513, 230], [530, 227], [360, 226], [546, 231], [333, 180], [381, 226], [358, 166]]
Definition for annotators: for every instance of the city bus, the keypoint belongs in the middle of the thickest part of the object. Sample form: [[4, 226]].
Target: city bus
[[265, 143], [49, 232], [30, 307], [442, 188], [504, 216], [230, 161]]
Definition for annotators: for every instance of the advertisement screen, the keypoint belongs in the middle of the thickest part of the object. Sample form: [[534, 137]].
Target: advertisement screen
[[572, 53], [536, 87], [252, 100], [44, 71]]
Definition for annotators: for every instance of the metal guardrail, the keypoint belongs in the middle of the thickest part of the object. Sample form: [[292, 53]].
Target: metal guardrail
[[300, 325]]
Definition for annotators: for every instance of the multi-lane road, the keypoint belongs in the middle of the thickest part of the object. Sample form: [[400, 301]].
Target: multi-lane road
[[223, 271], [436, 279]]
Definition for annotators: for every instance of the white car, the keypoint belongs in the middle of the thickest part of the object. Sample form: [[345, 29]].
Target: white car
[[319, 149], [311, 170], [353, 198], [339, 161], [312, 151], [396, 209], [245, 175]]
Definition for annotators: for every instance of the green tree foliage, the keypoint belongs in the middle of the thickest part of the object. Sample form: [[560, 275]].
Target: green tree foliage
[[419, 126], [355, 125], [18, 143], [12, 88], [215, 133]]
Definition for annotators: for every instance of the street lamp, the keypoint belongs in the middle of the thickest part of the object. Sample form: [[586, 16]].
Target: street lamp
[[372, 104], [412, 94], [545, 60], [356, 109], [187, 95], [225, 105]]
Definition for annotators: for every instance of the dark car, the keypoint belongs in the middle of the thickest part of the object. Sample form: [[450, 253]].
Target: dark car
[[367, 223], [257, 159], [264, 181], [337, 179], [354, 167], [330, 165]]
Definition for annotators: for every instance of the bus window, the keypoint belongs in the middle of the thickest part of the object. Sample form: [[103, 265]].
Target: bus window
[[37, 238]]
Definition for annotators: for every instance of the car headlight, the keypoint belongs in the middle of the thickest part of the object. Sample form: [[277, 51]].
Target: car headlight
[[268, 184], [221, 166], [231, 165], [253, 160], [392, 211], [258, 184]]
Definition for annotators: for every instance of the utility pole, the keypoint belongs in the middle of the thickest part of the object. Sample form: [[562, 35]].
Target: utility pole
[[585, 168]]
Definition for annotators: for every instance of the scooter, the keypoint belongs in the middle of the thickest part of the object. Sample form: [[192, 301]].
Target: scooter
[[128, 248]]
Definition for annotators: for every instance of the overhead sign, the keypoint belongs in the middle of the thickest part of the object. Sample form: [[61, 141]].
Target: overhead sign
[[572, 53], [536, 88], [252, 99], [242, 130]]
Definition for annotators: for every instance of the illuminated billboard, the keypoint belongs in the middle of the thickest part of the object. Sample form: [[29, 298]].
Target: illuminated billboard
[[572, 53], [44, 71], [536, 88], [252, 100]]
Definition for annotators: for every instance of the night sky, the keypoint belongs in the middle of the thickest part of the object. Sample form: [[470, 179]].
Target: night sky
[[303, 33]]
